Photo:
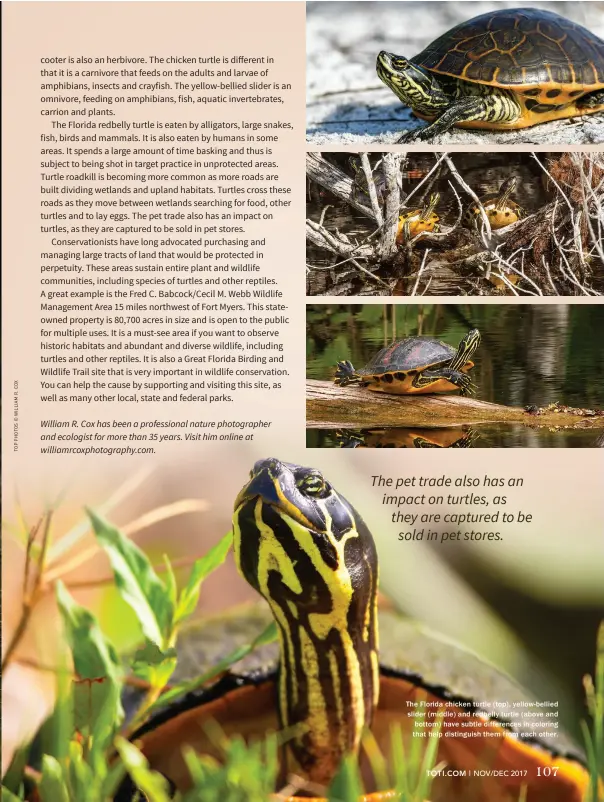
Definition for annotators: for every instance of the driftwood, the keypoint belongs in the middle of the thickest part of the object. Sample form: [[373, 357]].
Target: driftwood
[[330, 406], [556, 250], [337, 182]]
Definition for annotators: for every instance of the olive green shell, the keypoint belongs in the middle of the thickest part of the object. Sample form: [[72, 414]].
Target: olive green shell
[[518, 48]]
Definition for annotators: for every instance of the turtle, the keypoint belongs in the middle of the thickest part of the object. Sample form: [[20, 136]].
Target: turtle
[[405, 438], [411, 222], [503, 70], [500, 210], [415, 365], [304, 548]]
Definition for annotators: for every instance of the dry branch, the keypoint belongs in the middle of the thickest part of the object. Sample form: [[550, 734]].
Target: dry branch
[[556, 250]]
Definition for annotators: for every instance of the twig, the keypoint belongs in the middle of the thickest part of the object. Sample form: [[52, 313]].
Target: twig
[[377, 212], [420, 271]]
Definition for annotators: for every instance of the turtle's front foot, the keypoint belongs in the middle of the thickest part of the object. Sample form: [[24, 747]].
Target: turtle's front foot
[[466, 385], [409, 137], [344, 374]]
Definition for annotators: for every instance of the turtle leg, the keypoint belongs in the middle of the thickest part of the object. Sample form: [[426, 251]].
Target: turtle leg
[[468, 108], [456, 377], [590, 100], [345, 374]]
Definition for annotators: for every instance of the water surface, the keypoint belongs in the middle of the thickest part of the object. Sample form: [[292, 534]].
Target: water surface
[[530, 355]]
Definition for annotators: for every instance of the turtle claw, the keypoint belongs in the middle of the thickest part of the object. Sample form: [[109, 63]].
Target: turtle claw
[[409, 137], [344, 374], [466, 386]]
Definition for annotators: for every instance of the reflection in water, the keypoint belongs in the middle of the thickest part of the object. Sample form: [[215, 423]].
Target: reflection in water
[[534, 354], [405, 438], [489, 436]]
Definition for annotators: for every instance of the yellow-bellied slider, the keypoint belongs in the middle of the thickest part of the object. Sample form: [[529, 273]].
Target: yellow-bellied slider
[[415, 365], [413, 221]]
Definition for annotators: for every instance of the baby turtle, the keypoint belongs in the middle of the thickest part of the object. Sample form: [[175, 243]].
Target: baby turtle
[[415, 365], [507, 69], [412, 221]]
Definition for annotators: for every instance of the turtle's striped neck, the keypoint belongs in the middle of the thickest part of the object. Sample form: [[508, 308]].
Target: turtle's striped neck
[[307, 551]]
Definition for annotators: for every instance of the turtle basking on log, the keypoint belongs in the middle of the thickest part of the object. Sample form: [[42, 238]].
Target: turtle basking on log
[[415, 365]]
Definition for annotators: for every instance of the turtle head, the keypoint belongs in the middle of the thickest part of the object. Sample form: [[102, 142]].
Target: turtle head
[[413, 85], [470, 343], [507, 188], [355, 164], [303, 547], [297, 493], [430, 207]]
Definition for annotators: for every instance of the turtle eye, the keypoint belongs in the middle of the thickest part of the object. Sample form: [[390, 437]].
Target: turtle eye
[[312, 484], [399, 63]]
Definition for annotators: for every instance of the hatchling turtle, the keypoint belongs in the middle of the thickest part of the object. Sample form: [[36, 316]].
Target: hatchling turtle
[[412, 221], [415, 365], [303, 547], [506, 69]]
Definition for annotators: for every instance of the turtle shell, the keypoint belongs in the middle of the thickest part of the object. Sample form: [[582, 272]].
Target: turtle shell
[[413, 353], [416, 667], [498, 218], [523, 49], [416, 223]]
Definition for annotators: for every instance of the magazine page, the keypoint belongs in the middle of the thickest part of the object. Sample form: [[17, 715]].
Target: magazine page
[[246, 245]]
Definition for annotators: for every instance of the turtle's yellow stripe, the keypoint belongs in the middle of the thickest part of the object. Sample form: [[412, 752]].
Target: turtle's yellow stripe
[[328, 676], [322, 624]]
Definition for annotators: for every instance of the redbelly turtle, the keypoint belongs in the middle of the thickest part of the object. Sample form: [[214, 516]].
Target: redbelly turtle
[[506, 69], [415, 365], [308, 552]]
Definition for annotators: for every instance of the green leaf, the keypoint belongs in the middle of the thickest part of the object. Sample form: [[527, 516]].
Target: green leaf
[[13, 778], [52, 787], [8, 796], [136, 581], [201, 569], [97, 707], [268, 635], [154, 665], [153, 784], [82, 781], [170, 581]]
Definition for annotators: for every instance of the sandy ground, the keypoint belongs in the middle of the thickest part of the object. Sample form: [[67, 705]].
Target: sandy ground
[[346, 101]]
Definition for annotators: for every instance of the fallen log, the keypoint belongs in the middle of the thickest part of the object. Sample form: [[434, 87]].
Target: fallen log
[[330, 407]]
